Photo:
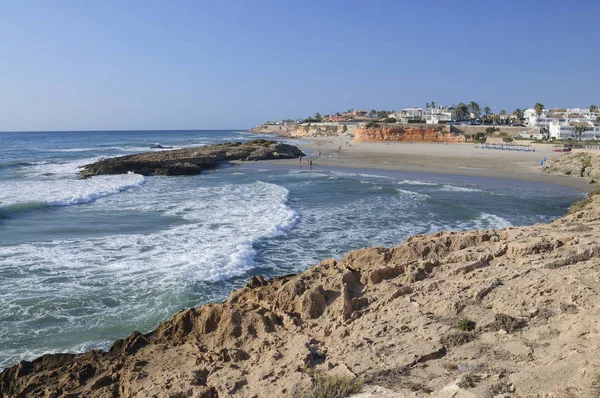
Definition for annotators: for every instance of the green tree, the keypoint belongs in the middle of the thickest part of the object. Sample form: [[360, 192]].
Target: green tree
[[432, 104], [593, 108], [461, 111], [372, 113], [487, 110], [579, 130], [427, 105], [474, 109], [597, 119], [318, 117], [382, 114], [519, 113]]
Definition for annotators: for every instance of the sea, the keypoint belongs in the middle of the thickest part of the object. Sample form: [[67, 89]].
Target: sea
[[86, 262]]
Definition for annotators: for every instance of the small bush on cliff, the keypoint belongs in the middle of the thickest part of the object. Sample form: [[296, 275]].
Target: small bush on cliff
[[371, 124], [466, 325], [334, 386], [344, 128], [491, 130], [479, 137], [390, 120]]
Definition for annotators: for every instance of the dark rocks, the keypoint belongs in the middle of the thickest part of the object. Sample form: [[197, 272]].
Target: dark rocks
[[191, 161]]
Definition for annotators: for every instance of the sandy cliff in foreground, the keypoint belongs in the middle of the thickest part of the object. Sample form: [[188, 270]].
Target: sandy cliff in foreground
[[511, 312]]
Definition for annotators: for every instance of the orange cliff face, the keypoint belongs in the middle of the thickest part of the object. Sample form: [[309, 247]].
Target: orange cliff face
[[412, 133]]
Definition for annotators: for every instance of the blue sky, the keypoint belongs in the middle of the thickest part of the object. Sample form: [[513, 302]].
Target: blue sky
[[102, 64]]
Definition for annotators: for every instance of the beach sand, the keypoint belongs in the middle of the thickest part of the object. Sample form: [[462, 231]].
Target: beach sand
[[458, 159]]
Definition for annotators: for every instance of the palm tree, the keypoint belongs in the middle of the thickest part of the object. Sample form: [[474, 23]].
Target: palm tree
[[474, 109], [593, 108], [539, 109], [461, 111], [427, 105], [432, 104], [487, 110]]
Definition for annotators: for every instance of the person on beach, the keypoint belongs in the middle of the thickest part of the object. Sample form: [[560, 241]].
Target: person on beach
[[300, 159], [319, 154], [310, 164], [339, 149]]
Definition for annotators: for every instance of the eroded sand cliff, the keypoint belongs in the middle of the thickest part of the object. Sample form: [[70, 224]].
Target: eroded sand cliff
[[407, 133]]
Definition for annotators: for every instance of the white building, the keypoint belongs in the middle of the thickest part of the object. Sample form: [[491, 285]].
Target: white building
[[439, 115], [564, 131], [559, 115], [412, 115]]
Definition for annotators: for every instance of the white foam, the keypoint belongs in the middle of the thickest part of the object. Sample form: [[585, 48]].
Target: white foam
[[412, 194], [417, 182], [452, 188], [66, 192], [491, 221]]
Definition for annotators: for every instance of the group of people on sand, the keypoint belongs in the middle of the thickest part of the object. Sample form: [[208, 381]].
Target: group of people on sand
[[309, 161]]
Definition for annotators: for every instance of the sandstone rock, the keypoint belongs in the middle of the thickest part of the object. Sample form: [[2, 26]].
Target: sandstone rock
[[407, 133]]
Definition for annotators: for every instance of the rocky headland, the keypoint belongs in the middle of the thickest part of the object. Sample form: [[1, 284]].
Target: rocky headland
[[576, 164], [497, 313], [190, 161]]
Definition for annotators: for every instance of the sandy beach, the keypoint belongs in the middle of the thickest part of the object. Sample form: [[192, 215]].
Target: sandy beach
[[460, 159]]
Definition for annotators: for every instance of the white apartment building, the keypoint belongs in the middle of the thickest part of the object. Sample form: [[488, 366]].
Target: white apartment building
[[563, 131], [559, 115]]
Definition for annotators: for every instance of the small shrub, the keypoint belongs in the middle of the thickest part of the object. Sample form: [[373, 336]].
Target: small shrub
[[466, 325], [334, 386], [499, 388], [507, 323], [545, 313], [587, 161], [390, 120], [371, 124], [454, 339], [467, 380]]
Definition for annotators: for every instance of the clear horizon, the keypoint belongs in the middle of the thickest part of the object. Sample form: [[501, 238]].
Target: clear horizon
[[108, 65]]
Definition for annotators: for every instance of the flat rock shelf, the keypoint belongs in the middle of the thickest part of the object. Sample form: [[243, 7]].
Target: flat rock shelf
[[191, 161]]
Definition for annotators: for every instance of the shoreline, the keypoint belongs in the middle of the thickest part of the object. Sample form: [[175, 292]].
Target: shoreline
[[335, 316], [434, 158]]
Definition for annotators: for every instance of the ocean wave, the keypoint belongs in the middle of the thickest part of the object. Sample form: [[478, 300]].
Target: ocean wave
[[412, 194], [417, 182], [452, 188], [491, 221], [26, 195]]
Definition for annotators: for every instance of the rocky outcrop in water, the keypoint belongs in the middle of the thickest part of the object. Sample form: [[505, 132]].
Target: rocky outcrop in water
[[407, 133], [511, 312], [190, 161]]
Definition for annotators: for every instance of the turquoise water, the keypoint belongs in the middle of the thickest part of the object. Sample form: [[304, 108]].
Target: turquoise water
[[84, 262]]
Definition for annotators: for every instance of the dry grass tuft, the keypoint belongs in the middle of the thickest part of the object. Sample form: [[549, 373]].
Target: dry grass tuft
[[454, 339], [507, 323], [334, 386]]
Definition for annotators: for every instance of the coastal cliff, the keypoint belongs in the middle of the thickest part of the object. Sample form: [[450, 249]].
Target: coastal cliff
[[407, 133], [306, 130], [510, 312]]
